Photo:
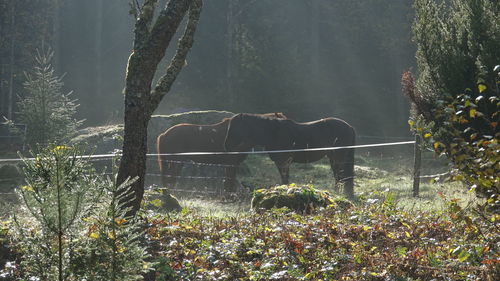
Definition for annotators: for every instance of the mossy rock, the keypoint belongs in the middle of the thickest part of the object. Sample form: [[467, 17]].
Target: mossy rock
[[101, 139], [170, 203], [301, 199]]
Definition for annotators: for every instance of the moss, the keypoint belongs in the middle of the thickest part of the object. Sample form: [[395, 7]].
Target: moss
[[301, 199]]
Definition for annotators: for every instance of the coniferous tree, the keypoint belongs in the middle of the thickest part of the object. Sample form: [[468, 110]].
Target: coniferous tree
[[456, 94], [71, 224], [47, 112]]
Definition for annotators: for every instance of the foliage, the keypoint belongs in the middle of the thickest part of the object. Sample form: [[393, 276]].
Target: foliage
[[302, 199], [376, 241], [71, 226], [379, 239], [456, 94], [55, 198], [47, 112], [112, 249]]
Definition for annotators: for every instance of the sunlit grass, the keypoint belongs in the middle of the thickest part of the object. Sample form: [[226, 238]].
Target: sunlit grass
[[375, 178], [215, 208]]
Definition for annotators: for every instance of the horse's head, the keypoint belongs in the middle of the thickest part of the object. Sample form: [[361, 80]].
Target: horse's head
[[236, 134]]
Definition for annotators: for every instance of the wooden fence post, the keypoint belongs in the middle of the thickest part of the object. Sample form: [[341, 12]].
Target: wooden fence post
[[416, 166]]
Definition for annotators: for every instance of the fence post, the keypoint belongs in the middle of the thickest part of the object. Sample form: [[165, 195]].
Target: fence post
[[416, 165]]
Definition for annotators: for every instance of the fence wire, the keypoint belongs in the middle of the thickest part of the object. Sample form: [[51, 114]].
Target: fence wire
[[373, 162]]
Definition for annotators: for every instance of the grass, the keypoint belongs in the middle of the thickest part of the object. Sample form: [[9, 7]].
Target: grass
[[375, 176]]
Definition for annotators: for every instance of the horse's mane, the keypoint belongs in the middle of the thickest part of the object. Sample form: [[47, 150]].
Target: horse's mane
[[266, 116], [273, 115]]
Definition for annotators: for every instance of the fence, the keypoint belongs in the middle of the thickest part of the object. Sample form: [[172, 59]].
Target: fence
[[257, 171]]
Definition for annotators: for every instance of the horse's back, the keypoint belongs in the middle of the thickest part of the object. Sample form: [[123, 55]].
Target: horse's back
[[192, 137], [323, 132], [187, 137]]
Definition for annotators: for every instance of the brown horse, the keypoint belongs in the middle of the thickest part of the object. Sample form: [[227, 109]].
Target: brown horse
[[198, 138], [248, 130]]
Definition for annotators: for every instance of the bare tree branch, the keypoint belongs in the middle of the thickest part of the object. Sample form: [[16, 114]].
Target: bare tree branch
[[145, 15], [185, 43]]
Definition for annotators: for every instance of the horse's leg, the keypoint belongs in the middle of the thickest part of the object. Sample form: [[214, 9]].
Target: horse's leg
[[342, 164], [336, 172], [348, 173], [284, 169], [170, 173]]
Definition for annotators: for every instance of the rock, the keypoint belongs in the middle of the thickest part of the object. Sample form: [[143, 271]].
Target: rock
[[301, 199], [100, 140], [170, 203]]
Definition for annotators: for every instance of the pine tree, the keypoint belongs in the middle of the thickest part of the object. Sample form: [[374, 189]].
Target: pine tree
[[46, 111]]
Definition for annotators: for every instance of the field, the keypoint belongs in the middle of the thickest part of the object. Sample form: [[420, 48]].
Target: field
[[389, 172]]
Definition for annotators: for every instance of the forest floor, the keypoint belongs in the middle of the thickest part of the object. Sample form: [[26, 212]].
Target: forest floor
[[387, 235]]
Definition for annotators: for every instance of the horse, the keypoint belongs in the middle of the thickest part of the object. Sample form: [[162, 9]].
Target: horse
[[249, 130], [187, 137]]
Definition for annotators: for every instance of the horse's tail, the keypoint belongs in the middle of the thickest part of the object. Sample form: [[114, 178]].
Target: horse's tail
[[159, 156]]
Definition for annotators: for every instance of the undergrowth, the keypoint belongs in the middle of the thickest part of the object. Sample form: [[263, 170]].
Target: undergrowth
[[376, 240]]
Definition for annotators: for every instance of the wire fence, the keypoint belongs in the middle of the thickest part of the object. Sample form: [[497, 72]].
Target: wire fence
[[372, 162]]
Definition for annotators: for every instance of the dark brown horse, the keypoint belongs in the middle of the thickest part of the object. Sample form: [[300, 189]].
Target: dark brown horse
[[248, 130], [198, 138]]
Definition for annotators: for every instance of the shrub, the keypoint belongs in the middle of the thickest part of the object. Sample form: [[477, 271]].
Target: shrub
[[72, 225], [456, 95]]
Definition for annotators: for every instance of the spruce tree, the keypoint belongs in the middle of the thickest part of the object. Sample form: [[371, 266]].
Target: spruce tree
[[46, 111]]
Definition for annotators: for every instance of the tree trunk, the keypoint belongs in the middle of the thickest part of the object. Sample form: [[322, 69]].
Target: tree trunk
[[150, 43], [133, 161], [2, 66], [315, 41]]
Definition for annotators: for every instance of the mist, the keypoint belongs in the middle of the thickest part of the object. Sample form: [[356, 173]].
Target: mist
[[308, 59]]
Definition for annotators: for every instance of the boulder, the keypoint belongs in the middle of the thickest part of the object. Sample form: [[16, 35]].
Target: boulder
[[170, 203], [301, 199]]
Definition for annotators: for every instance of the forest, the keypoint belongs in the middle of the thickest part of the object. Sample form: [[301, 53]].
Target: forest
[[249, 140]]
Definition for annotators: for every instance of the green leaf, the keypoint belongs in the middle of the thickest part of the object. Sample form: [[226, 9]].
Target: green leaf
[[401, 251], [463, 256], [481, 87], [157, 203]]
